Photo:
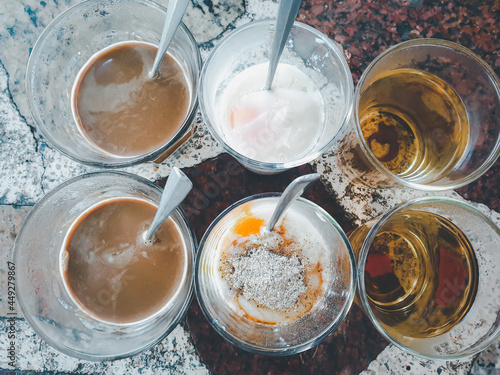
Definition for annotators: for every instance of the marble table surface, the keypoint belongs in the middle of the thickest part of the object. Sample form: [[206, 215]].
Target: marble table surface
[[29, 168]]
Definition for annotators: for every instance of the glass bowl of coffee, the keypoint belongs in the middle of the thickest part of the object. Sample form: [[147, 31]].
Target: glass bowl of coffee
[[294, 122], [89, 88], [276, 292], [87, 282]]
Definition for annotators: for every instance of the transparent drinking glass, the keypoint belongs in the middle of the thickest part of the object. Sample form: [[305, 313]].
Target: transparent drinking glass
[[430, 154], [419, 292], [312, 52], [70, 41], [260, 337], [42, 293]]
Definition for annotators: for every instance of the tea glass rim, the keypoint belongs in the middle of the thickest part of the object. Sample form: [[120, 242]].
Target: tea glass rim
[[292, 349], [344, 67], [364, 145], [361, 263], [189, 280], [130, 161]]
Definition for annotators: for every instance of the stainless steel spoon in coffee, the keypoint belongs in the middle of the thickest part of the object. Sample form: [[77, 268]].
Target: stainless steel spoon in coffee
[[176, 189], [291, 193], [175, 12], [287, 13]]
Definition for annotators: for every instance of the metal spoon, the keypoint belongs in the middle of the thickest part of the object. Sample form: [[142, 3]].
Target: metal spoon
[[291, 193], [177, 187], [287, 13], [175, 11]]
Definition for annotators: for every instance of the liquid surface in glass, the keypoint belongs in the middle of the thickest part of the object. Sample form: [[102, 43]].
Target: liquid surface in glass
[[120, 109], [414, 123], [279, 125], [421, 274], [109, 269]]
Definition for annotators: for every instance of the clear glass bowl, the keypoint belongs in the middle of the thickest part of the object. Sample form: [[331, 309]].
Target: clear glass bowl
[[480, 327], [281, 339], [309, 50], [41, 293], [68, 43]]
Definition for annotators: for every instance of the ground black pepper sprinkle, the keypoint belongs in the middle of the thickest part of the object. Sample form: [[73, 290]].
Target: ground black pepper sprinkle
[[272, 280]]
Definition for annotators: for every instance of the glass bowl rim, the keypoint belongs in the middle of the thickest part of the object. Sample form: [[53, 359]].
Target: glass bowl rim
[[343, 68], [291, 349]]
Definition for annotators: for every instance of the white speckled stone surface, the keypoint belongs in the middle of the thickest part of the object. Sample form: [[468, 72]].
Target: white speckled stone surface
[[393, 361], [30, 168]]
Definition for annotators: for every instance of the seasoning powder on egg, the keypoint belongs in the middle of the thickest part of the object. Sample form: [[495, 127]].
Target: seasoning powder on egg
[[274, 277]]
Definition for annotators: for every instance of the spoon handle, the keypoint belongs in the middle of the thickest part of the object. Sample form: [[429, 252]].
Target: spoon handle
[[177, 187], [287, 13], [175, 11], [292, 192]]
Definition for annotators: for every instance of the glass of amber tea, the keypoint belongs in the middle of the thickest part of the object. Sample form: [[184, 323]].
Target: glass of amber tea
[[426, 116], [429, 277]]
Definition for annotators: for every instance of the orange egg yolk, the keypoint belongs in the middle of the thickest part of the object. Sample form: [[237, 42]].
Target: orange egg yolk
[[247, 226]]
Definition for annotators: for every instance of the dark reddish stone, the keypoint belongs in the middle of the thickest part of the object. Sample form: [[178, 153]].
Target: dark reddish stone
[[367, 28], [348, 350], [222, 181], [485, 189]]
